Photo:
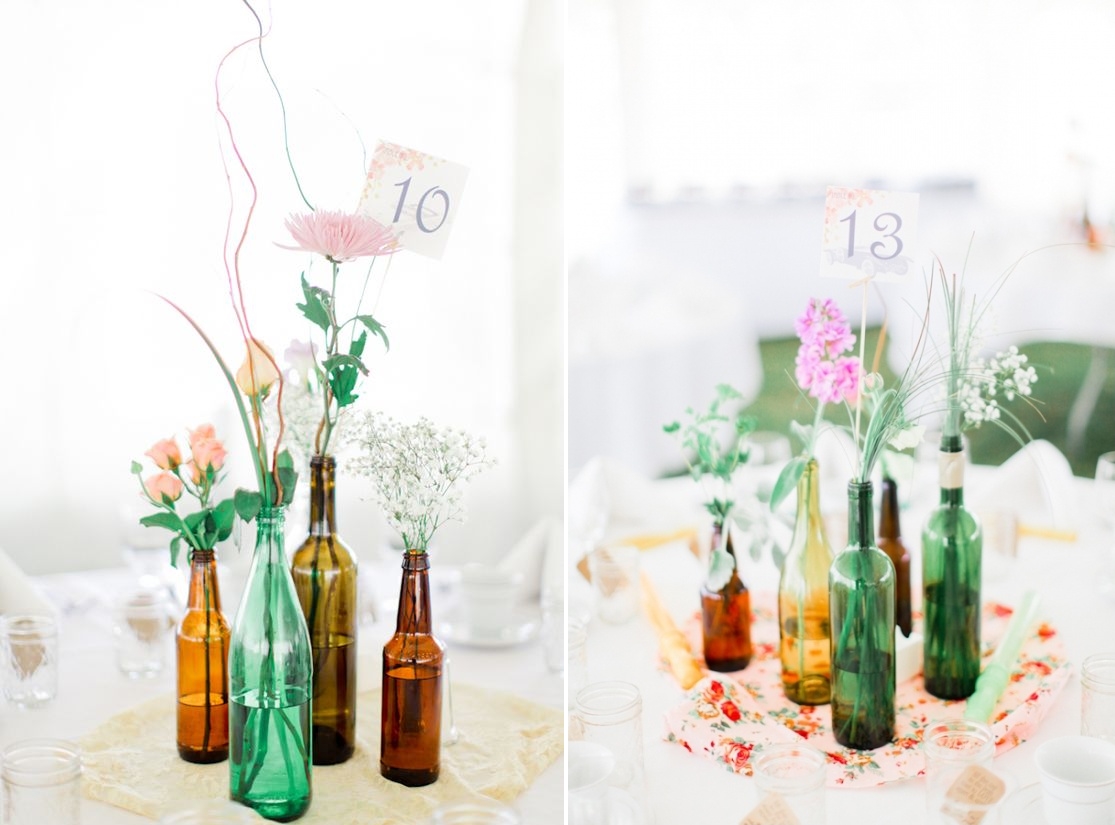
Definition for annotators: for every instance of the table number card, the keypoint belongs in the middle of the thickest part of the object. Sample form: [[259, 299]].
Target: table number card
[[869, 233], [414, 194]]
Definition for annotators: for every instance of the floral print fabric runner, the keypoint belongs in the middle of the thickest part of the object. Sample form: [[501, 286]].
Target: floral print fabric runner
[[728, 717]]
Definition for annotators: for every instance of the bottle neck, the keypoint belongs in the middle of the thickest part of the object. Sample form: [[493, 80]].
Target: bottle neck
[[269, 536], [322, 520], [414, 595], [889, 525], [718, 535], [203, 593], [808, 517], [950, 471], [861, 517]]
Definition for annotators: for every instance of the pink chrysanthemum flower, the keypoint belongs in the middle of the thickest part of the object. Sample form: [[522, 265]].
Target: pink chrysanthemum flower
[[340, 236]]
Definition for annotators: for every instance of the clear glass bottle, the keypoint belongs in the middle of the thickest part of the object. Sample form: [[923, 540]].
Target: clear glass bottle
[[325, 577], [726, 618], [270, 681], [410, 717], [952, 552], [890, 542], [803, 600], [202, 648], [861, 607]]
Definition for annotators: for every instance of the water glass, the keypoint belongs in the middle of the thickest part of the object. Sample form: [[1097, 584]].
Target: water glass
[[483, 812], [141, 627], [42, 783], [615, 577], [1105, 488], [1097, 696], [951, 748], [576, 676], [213, 812], [795, 773], [553, 630], [610, 714], [29, 653]]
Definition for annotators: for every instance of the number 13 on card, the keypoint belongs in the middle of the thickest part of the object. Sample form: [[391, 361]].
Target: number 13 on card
[[868, 233]]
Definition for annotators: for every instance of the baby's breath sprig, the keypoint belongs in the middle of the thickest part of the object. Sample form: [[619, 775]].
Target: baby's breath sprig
[[418, 472]]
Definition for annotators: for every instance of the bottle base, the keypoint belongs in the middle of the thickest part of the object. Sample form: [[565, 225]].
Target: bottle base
[[330, 746], [410, 777], [200, 757], [277, 811], [728, 665]]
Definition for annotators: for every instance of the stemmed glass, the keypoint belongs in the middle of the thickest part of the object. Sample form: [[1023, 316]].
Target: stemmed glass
[[1104, 492]]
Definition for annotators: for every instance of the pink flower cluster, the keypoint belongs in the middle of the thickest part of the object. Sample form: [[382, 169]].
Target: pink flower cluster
[[208, 455], [821, 368]]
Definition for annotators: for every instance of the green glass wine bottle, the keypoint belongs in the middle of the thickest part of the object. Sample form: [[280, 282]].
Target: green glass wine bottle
[[803, 600], [861, 609], [951, 558], [270, 681]]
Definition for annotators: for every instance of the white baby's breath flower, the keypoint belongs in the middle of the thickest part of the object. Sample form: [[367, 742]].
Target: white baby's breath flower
[[417, 472]]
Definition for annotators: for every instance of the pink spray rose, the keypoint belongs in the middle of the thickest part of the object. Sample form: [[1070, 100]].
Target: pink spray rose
[[165, 454], [209, 454], [163, 485], [201, 433]]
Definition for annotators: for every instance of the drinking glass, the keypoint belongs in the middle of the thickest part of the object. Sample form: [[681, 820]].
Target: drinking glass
[[796, 773], [1105, 488], [484, 812], [610, 714], [222, 812], [141, 627], [951, 748], [29, 659], [1097, 696], [615, 578], [42, 782]]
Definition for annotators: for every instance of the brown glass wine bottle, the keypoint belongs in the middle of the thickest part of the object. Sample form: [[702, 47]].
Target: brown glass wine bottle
[[325, 578], [890, 542], [726, 618], [410, 719], [202, 661]]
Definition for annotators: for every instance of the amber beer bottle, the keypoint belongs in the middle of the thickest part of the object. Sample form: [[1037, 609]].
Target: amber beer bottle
[[726, 618], [202, 658], [410, 720], [890, 542]]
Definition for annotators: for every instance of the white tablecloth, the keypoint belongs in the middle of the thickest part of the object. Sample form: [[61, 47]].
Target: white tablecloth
[[688, 788], [91, 689]]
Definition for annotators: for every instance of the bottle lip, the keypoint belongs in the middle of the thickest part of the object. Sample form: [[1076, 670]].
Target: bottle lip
[[327, 461], [41, 762], [23, 627], [608, 702]]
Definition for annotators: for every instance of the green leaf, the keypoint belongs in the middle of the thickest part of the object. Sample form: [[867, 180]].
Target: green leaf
[[671, 428], [787, 480], [289, 479], [175, 547], [357, 346], [168, 521], [376, 328], [314, 309], [247, 503], [224, 516], [137, 468], [285, 461], [720, 567], [342, 361]]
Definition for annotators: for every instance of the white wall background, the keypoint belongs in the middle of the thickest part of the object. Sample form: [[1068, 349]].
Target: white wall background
[[703, 135], [113, 189]]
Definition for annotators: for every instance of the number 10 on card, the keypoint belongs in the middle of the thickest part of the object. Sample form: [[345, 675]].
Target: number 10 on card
[[869, 233]]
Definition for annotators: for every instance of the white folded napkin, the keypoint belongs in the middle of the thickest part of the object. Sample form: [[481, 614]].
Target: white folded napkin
[[18, 595], [529, 554], [1035, 484]]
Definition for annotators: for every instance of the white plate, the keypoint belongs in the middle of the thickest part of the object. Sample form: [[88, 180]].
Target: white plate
[[524, 626]]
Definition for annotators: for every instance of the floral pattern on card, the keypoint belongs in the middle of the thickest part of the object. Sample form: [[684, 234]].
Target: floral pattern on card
[[729, 718]]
